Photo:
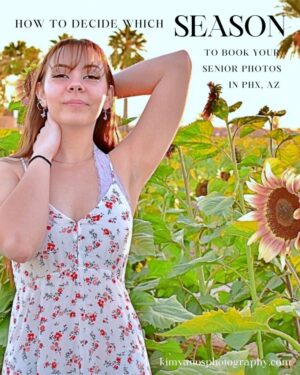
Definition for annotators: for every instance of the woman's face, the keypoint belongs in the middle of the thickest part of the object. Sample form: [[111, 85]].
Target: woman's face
[[74, 97]]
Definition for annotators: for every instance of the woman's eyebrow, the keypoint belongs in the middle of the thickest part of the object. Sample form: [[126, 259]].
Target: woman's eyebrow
[[60, 66], [93, 66], [86, 66]]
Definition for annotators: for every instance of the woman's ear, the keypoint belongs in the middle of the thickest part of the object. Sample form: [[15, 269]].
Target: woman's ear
[[40, 94], [109, 97]]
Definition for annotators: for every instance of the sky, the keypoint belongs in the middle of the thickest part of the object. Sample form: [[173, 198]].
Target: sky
[[204, 50]]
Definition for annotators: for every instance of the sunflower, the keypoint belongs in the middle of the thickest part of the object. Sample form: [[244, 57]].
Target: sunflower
[[277, 212]]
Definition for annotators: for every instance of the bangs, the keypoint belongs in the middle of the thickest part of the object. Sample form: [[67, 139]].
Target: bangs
[[74, 51]]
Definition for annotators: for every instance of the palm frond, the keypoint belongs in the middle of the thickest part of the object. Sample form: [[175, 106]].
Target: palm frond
[[285, 46], [126, 44], [290, 42], [290, 8]]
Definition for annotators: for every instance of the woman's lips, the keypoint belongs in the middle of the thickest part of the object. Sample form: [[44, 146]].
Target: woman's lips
[[75, 102]]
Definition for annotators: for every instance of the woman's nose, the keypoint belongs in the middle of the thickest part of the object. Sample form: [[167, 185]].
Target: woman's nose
[[75, 86]]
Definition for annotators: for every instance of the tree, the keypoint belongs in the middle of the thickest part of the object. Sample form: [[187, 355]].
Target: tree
[[291, 9], [126, 45], [14, 59], [60, 37]]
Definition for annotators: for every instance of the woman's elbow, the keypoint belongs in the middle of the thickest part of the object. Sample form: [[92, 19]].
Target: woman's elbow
[[184, 60], [19, 250], [15, 252]]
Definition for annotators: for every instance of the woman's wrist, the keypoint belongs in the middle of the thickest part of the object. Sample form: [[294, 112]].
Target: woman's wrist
[[36, 156], [42, 153]]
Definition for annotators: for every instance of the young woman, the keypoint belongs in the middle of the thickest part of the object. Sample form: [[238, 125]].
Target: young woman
[[67, 206]]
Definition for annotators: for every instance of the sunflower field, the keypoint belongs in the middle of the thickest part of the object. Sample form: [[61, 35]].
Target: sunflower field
[[214, 262]]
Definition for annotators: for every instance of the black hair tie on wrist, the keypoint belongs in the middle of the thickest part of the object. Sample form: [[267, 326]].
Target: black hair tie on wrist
[[40, 156]]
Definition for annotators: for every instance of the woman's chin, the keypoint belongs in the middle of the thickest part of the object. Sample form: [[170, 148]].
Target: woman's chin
[[75, 122]]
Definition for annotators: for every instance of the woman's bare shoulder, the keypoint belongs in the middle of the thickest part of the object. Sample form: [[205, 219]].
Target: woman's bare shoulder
[[13, 165]]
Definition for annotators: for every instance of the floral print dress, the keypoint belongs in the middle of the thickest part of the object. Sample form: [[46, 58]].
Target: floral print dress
[[71, 313]]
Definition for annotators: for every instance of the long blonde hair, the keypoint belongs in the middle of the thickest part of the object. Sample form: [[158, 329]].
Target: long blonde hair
[[106, 135]]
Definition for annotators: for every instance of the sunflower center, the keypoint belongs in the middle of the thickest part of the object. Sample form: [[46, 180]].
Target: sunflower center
[[284, 212], [280, 208]]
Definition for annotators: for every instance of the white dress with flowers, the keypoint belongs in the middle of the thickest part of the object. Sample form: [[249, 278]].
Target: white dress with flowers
[[71, 313]]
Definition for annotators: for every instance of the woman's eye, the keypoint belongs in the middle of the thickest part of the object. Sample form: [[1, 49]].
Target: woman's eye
[[90, 76], [59, 75]]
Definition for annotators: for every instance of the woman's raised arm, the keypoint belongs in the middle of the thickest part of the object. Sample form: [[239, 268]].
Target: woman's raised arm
[[166, 78]]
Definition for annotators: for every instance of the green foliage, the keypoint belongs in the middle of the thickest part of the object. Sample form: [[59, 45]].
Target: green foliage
[[235, 106], [230, 321], [249, 124], [220, 109], [18, 106], [187, 274], [161, 312], [61, 37], [8, 141], [16, 57], [206, 270]]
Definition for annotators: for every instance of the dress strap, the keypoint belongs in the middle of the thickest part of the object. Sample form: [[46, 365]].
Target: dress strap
[[24, 164], [111, 168]]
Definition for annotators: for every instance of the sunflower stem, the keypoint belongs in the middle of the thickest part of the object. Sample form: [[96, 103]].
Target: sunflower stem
[[203, 291], [293, 271], [238, 186], [251, 276], [209, 346], [271, 140], [291, 292], [286, 337], [202, 282], [186, 183], [254, 297]]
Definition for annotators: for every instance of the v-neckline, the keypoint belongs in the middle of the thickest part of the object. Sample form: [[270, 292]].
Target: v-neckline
[[89, 213], [99, 192]]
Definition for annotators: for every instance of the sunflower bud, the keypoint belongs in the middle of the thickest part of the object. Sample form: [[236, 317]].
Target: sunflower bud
[[213, 96], [224, 175], [264, 111], [238, 155], [201, 188], [171, 149]]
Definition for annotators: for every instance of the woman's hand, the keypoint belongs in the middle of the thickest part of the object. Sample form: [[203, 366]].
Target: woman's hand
[[48, 139]]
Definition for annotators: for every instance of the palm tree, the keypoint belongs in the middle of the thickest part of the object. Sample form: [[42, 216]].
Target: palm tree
[[60, 37], [291, 9], [126, 45]]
